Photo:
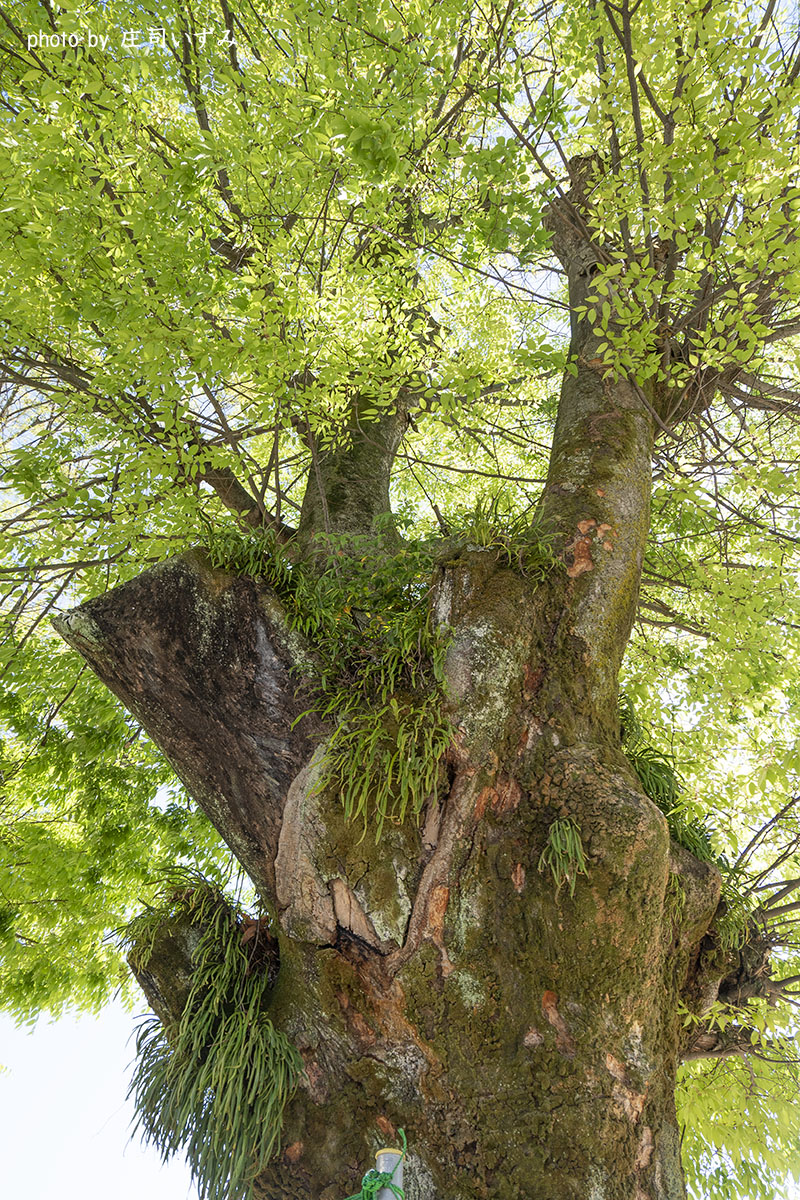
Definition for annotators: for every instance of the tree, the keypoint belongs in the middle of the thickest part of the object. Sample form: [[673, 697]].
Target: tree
[[289, 293]]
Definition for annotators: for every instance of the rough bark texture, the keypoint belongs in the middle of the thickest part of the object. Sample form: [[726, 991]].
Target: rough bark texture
[[527, 1041], [203, 660], [348, 486]]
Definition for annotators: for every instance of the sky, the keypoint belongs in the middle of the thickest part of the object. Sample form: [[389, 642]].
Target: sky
[[64, 1119]]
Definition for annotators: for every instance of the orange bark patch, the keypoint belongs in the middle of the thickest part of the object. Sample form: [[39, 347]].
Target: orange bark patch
[[385, 1127], [564, 1041], [506, 796], [294, 1152], [388, 1007], [581, 550], [482, 803], [437, 907], [518, 877]]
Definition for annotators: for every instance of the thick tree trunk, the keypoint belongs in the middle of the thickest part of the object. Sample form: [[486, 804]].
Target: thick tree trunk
[[527, 1042], [526, 1039]]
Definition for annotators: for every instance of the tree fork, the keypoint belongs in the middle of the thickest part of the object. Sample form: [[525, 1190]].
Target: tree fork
[[526, 1038], [526, 1042]]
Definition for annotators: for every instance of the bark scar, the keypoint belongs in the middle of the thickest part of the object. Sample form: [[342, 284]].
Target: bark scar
[[564, 1041], [588, 532], [581, 552], [631, 1101], [645, 1151], [458, 813], [437, 909]]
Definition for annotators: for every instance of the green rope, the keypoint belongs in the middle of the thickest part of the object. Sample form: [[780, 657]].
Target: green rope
[[374, 1180]]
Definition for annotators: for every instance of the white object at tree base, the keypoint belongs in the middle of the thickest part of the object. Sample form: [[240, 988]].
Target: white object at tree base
[[390, 1160]]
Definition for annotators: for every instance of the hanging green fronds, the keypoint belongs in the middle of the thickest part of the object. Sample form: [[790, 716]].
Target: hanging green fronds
[[215, 1084], [661, 782], [379, 664], [520, 539], [257, 553], [379, 669], [674, 899], [735, 925], [563, 855]]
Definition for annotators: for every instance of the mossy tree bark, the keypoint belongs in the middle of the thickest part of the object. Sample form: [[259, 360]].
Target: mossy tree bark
[[527, 1041]]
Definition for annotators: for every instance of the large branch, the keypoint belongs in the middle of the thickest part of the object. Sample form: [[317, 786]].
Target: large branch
[[733, 1042], [50, 373], [597, 496], [348, 484], [169, 644]]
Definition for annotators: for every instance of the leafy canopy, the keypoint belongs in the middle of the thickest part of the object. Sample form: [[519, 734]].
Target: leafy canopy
[[224, 229]]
